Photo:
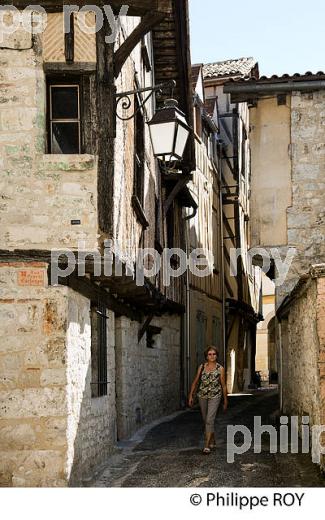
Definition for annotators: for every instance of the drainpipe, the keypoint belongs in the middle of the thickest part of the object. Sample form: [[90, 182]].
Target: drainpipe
[[224, 346], [281, 366], [187, 381], [187, 317]]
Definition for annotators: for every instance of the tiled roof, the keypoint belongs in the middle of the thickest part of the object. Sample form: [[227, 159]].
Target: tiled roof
[[240, 67], [308, 76]]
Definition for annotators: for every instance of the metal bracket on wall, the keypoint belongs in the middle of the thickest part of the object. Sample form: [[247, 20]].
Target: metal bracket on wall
[[144, 327], [125, 98]]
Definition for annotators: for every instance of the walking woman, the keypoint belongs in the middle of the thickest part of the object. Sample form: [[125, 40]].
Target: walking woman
[[210, 380]]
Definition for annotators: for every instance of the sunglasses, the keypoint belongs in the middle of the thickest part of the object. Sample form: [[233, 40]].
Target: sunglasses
[[212, 354]]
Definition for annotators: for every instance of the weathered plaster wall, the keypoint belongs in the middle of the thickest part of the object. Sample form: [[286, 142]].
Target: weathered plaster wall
[[271, 172], [147, 380], [288, 180]]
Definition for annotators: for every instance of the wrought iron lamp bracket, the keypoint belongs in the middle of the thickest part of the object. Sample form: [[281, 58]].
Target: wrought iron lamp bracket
[[125, 98]]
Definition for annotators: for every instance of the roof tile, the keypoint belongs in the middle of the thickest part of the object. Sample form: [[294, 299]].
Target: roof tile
[[241, 67]]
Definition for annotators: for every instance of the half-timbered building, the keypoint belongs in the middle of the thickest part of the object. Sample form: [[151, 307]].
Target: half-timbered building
[[90, 357]]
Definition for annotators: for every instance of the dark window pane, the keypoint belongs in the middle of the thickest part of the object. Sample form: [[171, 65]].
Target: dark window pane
[[65, 138], [64, 102]]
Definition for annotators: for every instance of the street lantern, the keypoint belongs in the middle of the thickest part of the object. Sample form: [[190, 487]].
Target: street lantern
[[169, 132]]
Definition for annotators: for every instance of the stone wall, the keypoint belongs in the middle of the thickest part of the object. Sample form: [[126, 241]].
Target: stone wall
[[303, 355], [321, 359], [91, 426], [306, 216], [52, 432], [300, 357], [33, 411], [40, 194], [147, 380], [288, 151]]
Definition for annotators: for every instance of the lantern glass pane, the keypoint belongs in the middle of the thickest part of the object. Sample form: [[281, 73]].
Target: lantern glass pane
[[162, 137], [182, 136]]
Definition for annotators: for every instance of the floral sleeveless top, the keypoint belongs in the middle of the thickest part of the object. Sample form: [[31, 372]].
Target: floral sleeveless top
[[210, 385]]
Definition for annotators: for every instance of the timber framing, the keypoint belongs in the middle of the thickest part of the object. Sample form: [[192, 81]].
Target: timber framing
[[136, 7], [95, 293], [124, 51], [243, 309], [172, 61], [106, 128], [119, 293], [180, 184]]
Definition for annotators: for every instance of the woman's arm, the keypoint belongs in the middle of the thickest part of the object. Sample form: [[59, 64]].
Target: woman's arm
[[194, 385], [224, 388]]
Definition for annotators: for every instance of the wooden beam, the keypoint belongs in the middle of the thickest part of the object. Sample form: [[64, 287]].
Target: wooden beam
[[124, 51], [230, 231], [69, 68], [229, 288], [69, 41], [183, 180], [106, 131], [144, 327], [94, 293], [230, 166]]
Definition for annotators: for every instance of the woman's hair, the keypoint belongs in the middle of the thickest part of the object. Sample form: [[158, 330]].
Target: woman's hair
[[211, 347]]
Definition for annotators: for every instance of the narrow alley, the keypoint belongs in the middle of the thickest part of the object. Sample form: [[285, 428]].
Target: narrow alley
[[170, 453]]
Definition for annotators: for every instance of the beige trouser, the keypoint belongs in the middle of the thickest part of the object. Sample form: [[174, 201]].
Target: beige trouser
[[209, 408]]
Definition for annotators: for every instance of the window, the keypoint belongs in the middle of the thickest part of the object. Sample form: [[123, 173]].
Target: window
[[64, 121], [99, 351]]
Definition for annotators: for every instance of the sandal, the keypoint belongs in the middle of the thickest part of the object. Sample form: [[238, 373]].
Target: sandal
[[206, 451]]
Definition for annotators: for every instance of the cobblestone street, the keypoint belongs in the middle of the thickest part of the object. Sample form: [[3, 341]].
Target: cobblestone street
[[169, 454]]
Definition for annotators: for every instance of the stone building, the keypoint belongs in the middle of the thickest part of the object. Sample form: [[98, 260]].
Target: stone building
[[242, 281], [90, 357], [288, 222]]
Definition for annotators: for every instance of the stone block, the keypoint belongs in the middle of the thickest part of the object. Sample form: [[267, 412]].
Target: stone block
[[18, 39], [29, 378], [33, 402], [8, 380], [16, 436], [53, 377], [39, 468]]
